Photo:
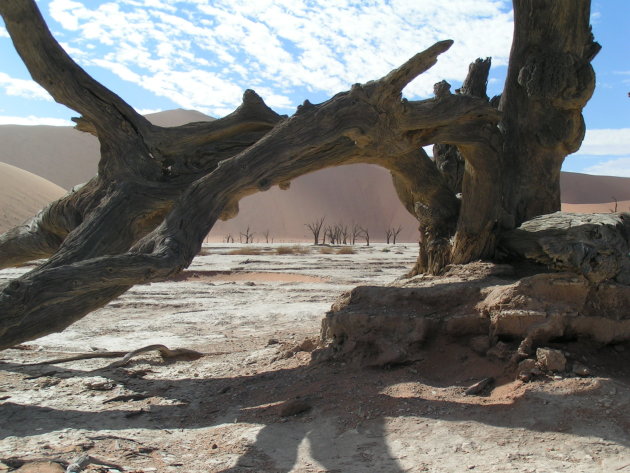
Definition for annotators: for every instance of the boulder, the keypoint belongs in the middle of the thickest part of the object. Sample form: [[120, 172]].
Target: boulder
[[551, 360], [596, 246], [478, 303]]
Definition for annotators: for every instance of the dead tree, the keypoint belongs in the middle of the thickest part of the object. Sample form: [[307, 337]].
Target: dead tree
[[159, 191], [266, 235], [329, 232], [355, 233], [365, 233], [395, 232], [391, 233], [229, 238], [315, 228], [248, 235], [343, 234]]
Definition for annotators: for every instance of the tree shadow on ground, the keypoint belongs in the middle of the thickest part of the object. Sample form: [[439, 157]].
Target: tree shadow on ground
[[347, 422]]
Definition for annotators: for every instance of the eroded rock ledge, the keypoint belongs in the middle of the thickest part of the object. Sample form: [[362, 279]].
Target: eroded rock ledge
[[380, 325]]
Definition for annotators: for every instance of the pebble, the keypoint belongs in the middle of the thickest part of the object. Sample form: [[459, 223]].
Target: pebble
[[580, 369]]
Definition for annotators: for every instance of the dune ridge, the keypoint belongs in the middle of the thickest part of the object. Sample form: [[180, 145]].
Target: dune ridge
[[355, 194]]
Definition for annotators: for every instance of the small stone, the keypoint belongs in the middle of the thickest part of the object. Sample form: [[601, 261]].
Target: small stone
[[294, 407], [479, 387], [480, 344], [619, 348], [527, 369], [550, 359], [580, 369], [272, 341], [100, 385]]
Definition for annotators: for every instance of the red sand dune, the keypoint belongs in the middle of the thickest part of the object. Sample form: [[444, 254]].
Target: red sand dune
[[22, 195], [361, 194]]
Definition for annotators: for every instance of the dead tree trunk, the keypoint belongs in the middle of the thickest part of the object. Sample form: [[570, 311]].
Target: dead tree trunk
[[160, 190]]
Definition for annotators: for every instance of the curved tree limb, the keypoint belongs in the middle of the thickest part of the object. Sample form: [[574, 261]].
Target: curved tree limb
[[361, 125]]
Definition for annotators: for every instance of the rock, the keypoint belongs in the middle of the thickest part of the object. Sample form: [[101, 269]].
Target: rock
[[41, 467], [596, 246], [376, 326], [500, 350], [294, 407], [550, 359], [479, 387], [480, 344], [580, 369], [527, 369]]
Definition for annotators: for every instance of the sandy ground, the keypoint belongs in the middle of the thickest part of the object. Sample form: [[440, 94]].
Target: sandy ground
[[254, 403]]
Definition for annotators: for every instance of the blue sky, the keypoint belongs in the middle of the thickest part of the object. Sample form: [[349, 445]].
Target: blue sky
[[202, 54]]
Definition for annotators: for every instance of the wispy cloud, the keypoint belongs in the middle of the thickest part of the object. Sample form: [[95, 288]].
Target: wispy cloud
[[3, 32], [606, 142], [614, 167], [22, 88], [202, 54], [32, 120]]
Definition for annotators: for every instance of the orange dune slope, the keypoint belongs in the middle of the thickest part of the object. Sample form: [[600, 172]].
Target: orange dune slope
[[358, 194], [22, 195]]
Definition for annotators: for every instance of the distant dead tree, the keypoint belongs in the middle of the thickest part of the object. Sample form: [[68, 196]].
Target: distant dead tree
[[388, 234], [331, 234], [355, 233], [266, 235], [337, 234], [247, 235], [343, 234], [315, 228], [228, 238], [395, 232], [614, 210], [365, 233]]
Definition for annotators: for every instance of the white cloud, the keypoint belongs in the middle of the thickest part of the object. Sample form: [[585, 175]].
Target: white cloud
[[614, 167], [22, 88], [32, 120], [148, 111], [606, 142], [288, 46], [3, 32]]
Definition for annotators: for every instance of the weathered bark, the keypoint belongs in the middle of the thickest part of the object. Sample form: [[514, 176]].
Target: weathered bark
[[448, 159], [370, 124], [549, 81], [159, 191]]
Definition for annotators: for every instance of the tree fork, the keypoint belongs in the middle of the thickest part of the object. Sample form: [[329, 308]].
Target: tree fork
[[370, 124]]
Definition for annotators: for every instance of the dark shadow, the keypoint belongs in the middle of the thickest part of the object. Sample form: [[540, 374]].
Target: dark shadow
[[329, 427]]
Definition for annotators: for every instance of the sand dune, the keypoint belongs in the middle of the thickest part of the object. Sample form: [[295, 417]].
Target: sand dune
[[587, 189], [64, 155], [22, 195], [603, 207], [361, 194]]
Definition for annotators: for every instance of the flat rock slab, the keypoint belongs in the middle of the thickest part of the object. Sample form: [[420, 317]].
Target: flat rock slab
[[373, 326], [594, 245]]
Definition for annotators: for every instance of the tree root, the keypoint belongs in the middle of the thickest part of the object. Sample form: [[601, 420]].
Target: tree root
[[165, 352]]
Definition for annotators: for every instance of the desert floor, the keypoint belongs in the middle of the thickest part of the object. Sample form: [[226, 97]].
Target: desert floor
[[255, 403]]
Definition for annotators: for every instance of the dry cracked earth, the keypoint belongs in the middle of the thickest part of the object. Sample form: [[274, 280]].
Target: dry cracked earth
[[254, 402]]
